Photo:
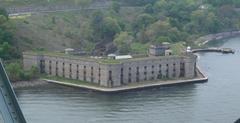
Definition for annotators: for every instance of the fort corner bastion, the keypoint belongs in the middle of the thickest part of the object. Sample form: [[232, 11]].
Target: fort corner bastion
[[114, 73]]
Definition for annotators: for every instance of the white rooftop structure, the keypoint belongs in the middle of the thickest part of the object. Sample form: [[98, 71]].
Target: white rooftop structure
[[111, 55], [68, 50], [123, 57], [189, 49]]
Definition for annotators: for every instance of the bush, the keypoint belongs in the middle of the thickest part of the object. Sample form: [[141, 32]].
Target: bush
[[16, 72]]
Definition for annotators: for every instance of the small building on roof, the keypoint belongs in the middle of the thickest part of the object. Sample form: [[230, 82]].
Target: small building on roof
[[112, 56], [158, 50], [69, 50]]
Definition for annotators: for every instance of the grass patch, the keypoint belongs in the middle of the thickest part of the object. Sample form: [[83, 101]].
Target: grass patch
[[139, 48], [110, 61], [24, 16]]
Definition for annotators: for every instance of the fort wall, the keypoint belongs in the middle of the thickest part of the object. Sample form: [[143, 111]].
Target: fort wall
[[117, 74]]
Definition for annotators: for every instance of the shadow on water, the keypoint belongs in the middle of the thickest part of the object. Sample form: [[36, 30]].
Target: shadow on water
[[75, 95]]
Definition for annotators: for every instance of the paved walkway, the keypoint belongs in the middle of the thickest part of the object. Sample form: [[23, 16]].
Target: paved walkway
[[130, 87], [201, 77]]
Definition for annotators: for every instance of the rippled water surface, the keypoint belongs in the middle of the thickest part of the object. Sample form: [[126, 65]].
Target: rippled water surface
[[217, 101]]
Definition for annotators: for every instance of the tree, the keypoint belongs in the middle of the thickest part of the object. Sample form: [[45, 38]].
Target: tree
[[110, 28], [116, 6], [160, 5], [149, 9], [204, 22], [5, 50], [123, 41], [162, 30], [212, 23], [4, 12], [16, 72], [3, 19], [83, 3], [157, 29], [142, 22], [161, 39], [97, 25]]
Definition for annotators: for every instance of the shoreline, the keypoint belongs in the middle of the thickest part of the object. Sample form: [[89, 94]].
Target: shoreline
[[201, 41], [200, 78], [30, 83]]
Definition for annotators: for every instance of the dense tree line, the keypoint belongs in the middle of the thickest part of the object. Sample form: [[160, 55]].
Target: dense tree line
[[7, 49], [164, 21], [158, 21], [9, 52]]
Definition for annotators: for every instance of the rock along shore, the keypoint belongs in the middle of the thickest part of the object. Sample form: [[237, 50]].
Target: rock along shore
[[31, 83]]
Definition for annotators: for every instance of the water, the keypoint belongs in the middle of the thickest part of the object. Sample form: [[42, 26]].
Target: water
[[217, 101]]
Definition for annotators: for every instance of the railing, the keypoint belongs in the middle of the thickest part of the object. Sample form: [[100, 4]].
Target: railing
[[10, 97]]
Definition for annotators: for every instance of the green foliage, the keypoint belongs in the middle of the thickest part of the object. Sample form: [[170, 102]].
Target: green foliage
[[149, 9], [203, 22], [138, 2], [145, 21], [177, 48], [110, 28], [116, 6], [123, 41], [4, 13], [162, 39], [7, 51], [83, 3], [104, 28], [223, 2], [137, 47], [16, 72], [97, 25]]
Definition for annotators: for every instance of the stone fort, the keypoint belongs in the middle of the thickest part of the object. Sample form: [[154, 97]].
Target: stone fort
[[116, 72]]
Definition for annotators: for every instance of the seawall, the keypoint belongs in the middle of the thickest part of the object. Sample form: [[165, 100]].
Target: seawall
[[201, 77]]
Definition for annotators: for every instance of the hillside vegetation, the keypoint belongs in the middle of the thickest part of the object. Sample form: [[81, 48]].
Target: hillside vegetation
[[126, 26], [141, 23]]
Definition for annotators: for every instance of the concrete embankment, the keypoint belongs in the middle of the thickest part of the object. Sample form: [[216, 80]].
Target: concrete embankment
[[200, 78], [222, 50]]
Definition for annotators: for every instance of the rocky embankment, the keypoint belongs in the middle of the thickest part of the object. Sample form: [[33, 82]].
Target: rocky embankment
[[205, 39], [32, 83]]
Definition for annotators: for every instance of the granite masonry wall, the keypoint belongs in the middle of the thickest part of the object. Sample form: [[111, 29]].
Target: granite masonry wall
[[114, 75]]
